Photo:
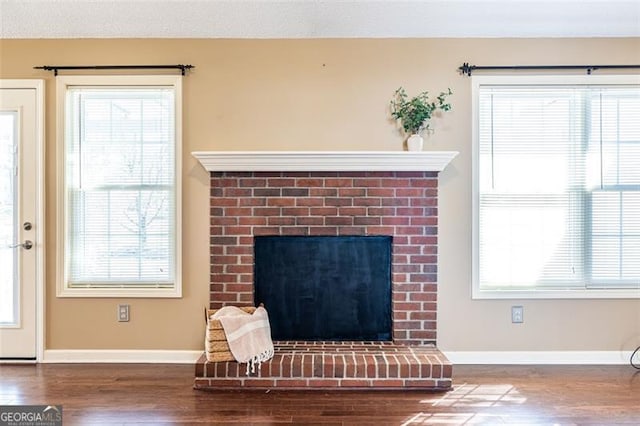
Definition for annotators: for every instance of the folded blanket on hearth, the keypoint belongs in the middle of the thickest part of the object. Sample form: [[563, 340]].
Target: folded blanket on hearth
[[248, 335]]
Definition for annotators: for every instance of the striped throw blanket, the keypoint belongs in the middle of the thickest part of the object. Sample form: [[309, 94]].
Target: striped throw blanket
[[248, 335]]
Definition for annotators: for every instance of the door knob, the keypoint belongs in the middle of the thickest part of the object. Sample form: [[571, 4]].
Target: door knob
[[26, 245]]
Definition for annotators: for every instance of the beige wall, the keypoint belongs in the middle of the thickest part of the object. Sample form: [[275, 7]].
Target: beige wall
[[320, 95]]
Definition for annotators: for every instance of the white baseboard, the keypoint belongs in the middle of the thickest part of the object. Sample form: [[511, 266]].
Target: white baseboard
[[120, 356], [539, 357], [456, 357]]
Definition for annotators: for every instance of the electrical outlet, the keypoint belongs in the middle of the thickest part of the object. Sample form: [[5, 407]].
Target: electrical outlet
[[517, 314], [123, 313]]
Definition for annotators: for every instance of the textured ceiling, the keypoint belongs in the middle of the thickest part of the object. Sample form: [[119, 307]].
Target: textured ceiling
[[318, 18]]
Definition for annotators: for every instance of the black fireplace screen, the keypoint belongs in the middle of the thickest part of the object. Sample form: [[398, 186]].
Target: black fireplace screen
[[325, 287]]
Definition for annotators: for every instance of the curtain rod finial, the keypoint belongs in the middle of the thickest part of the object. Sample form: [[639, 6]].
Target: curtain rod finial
[[466, 69]]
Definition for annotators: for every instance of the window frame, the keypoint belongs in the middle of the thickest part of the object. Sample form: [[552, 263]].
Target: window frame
[[63, 83], [540, 292]]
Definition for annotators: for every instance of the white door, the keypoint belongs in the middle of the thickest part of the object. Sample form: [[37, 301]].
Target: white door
[[20, 233]]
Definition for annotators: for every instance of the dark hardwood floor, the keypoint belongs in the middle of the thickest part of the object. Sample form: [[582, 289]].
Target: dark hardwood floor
[[93, 394]]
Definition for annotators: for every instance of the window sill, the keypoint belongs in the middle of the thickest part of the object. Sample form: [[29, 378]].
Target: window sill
[[148, 293], [630, 293]]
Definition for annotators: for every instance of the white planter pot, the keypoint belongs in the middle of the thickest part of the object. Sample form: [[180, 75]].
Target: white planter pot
[[415, 143]]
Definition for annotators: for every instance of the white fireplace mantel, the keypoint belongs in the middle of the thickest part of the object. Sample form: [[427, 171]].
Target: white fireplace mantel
[[322, 161]]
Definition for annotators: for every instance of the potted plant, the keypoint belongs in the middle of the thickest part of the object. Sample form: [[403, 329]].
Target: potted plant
[[415, 113]]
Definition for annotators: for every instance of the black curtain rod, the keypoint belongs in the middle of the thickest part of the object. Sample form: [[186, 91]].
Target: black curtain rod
[[468, 69], [55, 68]]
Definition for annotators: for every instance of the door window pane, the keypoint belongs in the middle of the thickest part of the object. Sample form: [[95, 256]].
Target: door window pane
[[8, 218]]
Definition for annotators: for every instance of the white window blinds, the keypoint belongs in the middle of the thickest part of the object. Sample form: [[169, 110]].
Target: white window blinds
[[614, 186], [120, 186], [558, 172]]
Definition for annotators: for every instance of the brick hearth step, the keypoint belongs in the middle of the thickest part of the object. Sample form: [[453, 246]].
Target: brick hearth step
[[346, 365]]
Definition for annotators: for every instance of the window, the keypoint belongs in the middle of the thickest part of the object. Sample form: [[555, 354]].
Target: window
[[556, 187], [119, 204]]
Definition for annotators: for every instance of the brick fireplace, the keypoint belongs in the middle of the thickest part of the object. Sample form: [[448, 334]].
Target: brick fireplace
[[330, 194], [398, 204]]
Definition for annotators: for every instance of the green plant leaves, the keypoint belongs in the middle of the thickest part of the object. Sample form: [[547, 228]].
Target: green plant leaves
[[416, 112]]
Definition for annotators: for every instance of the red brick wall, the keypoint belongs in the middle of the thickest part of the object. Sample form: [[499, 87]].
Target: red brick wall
[[401, 204]]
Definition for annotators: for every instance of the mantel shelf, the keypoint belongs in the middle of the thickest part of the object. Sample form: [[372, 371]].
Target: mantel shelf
[[322, 161]]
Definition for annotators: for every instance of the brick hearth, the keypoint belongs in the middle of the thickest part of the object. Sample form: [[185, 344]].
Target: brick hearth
[[402, 205], [379, 365]]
